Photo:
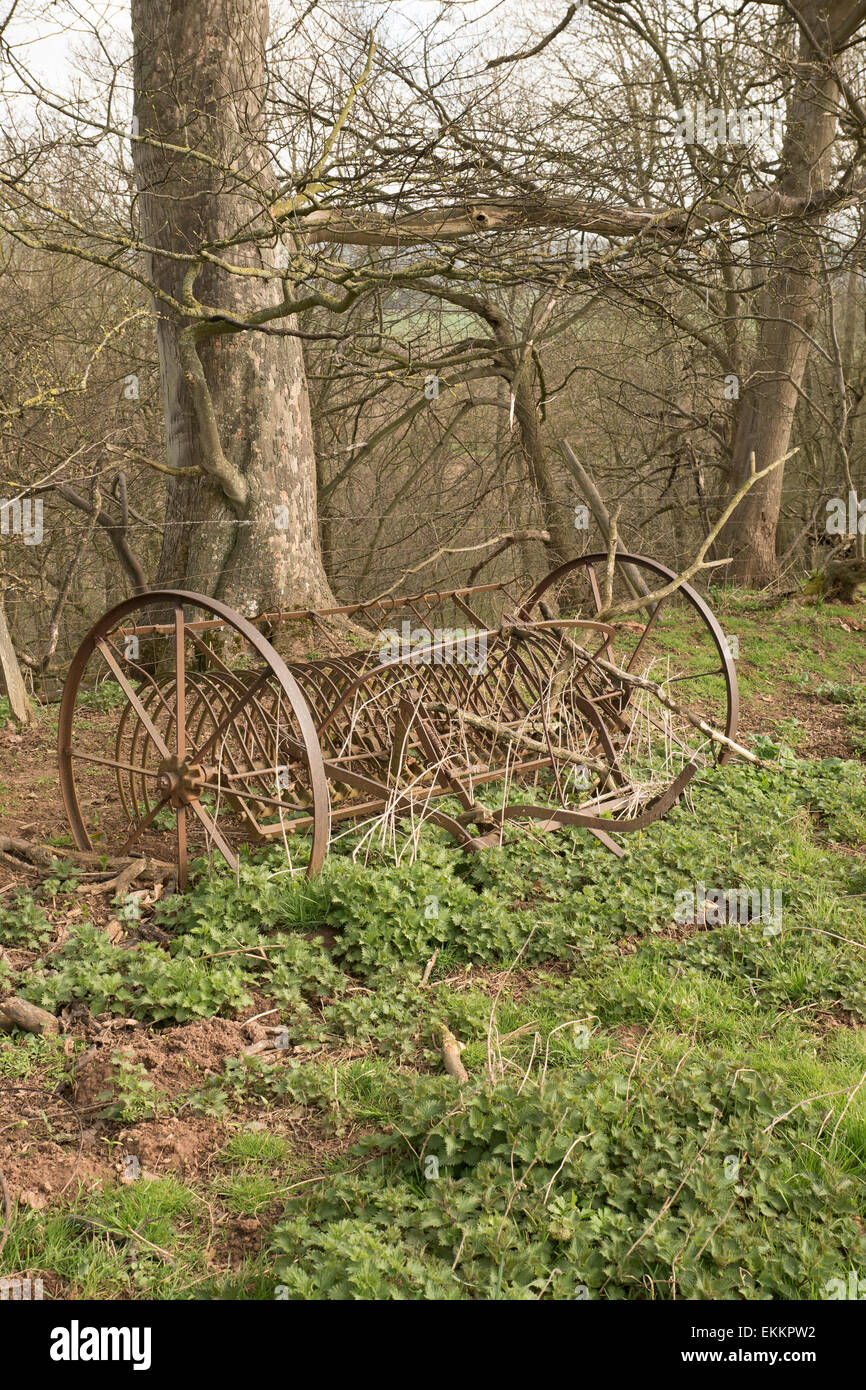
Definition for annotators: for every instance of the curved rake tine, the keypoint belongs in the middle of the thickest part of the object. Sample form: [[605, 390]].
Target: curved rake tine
[[229, 718]]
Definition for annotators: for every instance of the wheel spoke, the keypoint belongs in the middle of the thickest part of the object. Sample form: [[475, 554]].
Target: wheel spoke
[[132, 697], [143, 825], [221, 843], [696, 676], [111, 762], [182, 866], [645, 634]]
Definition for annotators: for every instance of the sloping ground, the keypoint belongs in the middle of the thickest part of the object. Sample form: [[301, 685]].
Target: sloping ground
[[249, 1097]]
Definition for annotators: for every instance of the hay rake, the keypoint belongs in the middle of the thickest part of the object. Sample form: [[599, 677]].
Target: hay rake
[[219, 740]]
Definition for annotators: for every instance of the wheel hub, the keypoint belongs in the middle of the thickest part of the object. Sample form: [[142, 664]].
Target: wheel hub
[[182, 781]]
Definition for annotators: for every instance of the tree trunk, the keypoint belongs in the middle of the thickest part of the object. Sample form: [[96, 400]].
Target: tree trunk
[[236, 405], [561, 545], [787, 312], [11, 679]]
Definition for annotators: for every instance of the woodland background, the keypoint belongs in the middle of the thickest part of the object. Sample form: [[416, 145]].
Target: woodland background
[[292, 303]]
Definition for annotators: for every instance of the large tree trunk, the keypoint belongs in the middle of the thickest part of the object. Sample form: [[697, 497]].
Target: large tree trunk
[[561, 546], [787, 312], [236, 404]]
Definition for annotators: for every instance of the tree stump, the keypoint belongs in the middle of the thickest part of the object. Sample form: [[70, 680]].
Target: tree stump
[[842, 578]]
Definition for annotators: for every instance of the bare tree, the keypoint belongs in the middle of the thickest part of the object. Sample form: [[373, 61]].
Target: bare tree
[[286, 186]]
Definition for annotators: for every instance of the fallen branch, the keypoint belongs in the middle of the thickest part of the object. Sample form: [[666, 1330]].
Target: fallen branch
[[122, 882], [663, 698], [428, 968], [18, 1013], [451, 1050], [534, 745], [50, 857], [255, 1049], [619, 610]]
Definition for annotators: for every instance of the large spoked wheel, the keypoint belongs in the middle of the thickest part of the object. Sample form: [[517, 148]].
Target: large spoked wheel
[[676, 643], [182, 731]]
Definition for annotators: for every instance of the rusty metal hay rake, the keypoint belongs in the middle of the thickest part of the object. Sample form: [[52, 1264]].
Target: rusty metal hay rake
[[216, 739]]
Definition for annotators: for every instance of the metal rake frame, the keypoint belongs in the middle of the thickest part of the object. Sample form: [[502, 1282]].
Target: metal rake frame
[[222, 740]]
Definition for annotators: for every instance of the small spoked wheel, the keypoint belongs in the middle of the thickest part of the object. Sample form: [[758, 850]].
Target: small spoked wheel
[[675, 642], [183, 732]]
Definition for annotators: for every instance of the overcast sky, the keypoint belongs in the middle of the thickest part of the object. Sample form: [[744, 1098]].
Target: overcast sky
[[46, 37]]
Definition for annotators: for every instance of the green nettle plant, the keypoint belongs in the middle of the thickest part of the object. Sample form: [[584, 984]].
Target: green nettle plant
[[131, 1096], [587, 1187], [637, 1120], [143, 983], [23, 923]]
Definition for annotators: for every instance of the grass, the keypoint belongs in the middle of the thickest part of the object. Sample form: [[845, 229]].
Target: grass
[[113, 1244], [852, 697], [808, 647], [654, 1109]]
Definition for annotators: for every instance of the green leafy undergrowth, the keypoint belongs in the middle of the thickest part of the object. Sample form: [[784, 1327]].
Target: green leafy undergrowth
[[550, 897], [249, 1078], [585, 1186], [23, 923], [341, 957], [142, 982]]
